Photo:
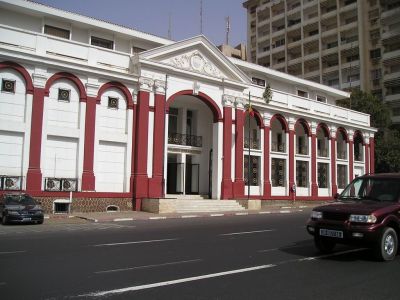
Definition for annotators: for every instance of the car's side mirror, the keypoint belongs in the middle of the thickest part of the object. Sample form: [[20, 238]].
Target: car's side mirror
[[336, 196]]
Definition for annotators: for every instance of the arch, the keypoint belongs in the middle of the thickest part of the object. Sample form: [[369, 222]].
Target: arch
[[325, 129], [305, 125], [359, 133], [281, 120], [69, 76], [344, 133], [203, 97], [119, 86], [258, 118], [22, 71]]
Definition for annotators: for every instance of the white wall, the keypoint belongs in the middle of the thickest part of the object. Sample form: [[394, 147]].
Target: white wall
[[61, 157], [12, 105], [11, 147]]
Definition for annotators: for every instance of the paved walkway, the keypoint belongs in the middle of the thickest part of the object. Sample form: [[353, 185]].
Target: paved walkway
[[268, 208]]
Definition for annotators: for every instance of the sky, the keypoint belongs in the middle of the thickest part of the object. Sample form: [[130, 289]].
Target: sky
[[152, 16]]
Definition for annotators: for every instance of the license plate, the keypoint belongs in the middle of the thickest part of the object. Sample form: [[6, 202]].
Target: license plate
[[331, 233], [26, 219]]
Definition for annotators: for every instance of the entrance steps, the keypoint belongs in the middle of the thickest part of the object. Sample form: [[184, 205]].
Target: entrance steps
[[194, 205]]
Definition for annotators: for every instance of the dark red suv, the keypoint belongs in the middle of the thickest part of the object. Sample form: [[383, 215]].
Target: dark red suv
[[366, 213]]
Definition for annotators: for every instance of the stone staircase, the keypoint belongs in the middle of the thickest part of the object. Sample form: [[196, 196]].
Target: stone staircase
[[206, 205]]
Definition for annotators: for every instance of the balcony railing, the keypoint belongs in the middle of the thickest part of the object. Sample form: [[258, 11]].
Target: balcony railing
[[61, 184], [10, 183], [254, 143], [278, 147], [185, 139]]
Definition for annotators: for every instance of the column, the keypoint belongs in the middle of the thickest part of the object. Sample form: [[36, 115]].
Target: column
[[88, 178], [156, 181], [238, 185], [351, 155], [372, 153], [141, 182], [292, 123], [226, 188], [314, 185], [131, 187], [366, 157], [267, 170], [34, 174], [333, 161]]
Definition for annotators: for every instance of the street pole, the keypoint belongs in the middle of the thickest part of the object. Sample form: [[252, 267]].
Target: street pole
[[165, 139], [248, 158]]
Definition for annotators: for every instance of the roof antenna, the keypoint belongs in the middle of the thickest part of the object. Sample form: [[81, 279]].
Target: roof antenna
[[169, 27], [201, 16], [228, 29]]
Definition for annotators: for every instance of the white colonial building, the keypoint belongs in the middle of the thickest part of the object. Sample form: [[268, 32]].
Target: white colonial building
[[117, 116]]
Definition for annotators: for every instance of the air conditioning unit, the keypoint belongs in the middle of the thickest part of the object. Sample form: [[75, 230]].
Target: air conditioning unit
[[11, 183], [52, 184], [68, 184]]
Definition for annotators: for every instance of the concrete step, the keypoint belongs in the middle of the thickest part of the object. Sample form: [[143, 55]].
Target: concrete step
[[185, 206]]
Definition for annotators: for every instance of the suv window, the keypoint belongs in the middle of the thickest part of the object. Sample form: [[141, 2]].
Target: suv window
[[19, 200]]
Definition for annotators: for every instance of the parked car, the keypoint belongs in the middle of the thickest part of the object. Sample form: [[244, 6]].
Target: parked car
[[20, 208], [366, 213]]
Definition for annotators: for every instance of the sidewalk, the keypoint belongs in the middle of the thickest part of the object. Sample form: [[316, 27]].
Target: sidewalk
[[283, 207]]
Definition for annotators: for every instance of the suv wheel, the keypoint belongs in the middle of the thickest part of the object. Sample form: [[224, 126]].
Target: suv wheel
[[4, 220], [386, 247], [324, 245]]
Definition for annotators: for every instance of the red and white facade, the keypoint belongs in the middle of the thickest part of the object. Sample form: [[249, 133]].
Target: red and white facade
[[116, 127]]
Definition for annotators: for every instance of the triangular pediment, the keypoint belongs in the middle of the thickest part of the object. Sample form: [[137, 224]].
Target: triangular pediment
[[196, 55]]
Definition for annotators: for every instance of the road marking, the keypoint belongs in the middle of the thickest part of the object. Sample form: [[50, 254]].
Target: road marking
[[241, 214], [157, 218], [264, 212], [136, 242], [284, 211], [150, 266], [12, 252], [123, 219], [177, 281], [331, 254], [216, 215], [248, 232], [189, 216]]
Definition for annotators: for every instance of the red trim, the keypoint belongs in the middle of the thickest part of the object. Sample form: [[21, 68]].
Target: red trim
[[76, 194], [291, 163], [351, 160], [141, 180], [34, 174], [69, 76], [333, 166], [258, 118], [344, 133], [305, 125], [156, 182], [238, 185], [367, 157], [203, 97], [88, 178], [131, 187], [226, 188], [357, 132], [119, 86], [281, 120], [22, 71], [325, 129], [314, 185], [372, 155], [267, 182]]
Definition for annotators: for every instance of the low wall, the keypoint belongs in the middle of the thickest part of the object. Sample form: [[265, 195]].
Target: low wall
[[250, 204], [159, 206]]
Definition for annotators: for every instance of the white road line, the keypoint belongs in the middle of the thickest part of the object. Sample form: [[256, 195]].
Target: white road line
[[264, 212], [136, 242], [177, 281], [248, 232], [241, 214], [216, 215], [284, 211], [123, 219], [149, 266], [12, 252], [331, 254], [157, 218], [189, 216]]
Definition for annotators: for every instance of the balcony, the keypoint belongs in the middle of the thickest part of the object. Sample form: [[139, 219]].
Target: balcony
[[390, 57], [392, 78], [278, 147], [254, 144], [392, 98], [10, 183], [185, 140], [389, 14]]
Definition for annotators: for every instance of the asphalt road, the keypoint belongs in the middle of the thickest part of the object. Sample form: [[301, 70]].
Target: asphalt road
[[237, 257]]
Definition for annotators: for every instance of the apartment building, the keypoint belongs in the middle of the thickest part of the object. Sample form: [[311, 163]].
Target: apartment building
[[340, 43]]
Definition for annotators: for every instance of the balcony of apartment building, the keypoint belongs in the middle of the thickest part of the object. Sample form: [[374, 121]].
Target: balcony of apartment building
[[294, 69], [292, 7], [263, 34], [311, 51], [264, 61], [348, 21], [329, 28], [294, 56], [278, 11], [311, 33], [391, 75], [390, 15], [264, 50], [294, 38], [331, 79], [279, 60], [294, 22], [348, 41], [328, 9], [309, 3], [391, 54], [311, 68], [278, 28], [310, 16], [329, 47], [347, 5], [263, 18], [278, 44], [392, 92]]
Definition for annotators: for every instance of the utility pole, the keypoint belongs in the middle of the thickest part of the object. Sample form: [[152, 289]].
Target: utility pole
[[201, 16], [228, 29]]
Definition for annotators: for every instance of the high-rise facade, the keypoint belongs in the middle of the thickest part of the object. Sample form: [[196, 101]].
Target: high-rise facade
[[340, 43]]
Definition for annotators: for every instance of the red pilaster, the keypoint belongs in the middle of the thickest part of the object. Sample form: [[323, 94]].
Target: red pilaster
[[88, 179], [291, 162], [141, 181], [314, 186], [267, 182], [226, 191], [131, 188], [238, 185], [351, 160], [333, 166], [367, 158], [156, 182], [34, 174], [372, 155]]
